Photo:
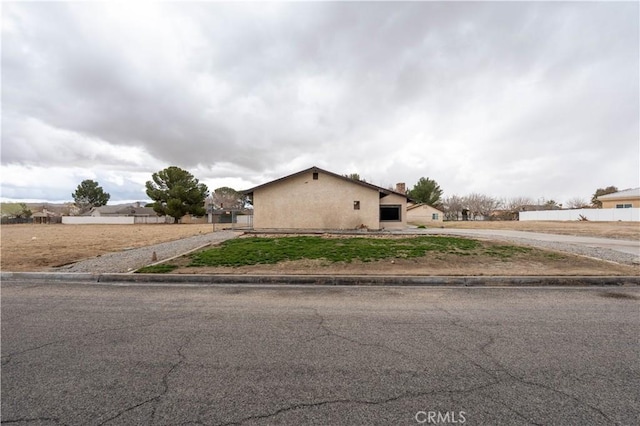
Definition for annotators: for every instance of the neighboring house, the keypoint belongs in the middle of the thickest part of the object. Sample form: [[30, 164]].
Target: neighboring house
[[539, 207], [629, 198], [123, 214], [319, 199], [135, 210], [45, 216], [423, 214]]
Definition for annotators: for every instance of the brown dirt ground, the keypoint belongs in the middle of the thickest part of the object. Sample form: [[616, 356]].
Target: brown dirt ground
[[39, 247], [535, 262]]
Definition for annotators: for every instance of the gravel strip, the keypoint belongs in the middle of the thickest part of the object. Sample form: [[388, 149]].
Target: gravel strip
[[130, 260]]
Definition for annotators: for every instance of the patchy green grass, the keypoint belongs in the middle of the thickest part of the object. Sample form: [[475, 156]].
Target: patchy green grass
[[157, 269], [253, 251], [268, 250], [506, 251], [554, 256]]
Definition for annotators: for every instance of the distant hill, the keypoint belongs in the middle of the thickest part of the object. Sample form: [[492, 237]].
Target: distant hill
[[63, 209]]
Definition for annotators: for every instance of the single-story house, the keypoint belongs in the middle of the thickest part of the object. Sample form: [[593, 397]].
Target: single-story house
[[318, 199], [629, 198], [423, 214], [45, 216], [121, 210]]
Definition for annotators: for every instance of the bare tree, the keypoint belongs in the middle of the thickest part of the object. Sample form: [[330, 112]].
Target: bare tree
[[226, 198], [69, 209], [452, 207], [516, 204], [481, 205], [578, 203]]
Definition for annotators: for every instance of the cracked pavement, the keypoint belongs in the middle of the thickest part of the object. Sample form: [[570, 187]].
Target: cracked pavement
[[77, 354]]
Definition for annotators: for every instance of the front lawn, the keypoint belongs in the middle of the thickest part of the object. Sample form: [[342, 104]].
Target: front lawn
[[267, 250]]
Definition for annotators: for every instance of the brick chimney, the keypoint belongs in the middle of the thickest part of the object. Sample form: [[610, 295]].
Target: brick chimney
[[401, 188]]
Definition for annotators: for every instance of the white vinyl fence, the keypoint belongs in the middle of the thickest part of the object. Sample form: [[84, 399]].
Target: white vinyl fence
[[595, 215], [244, 219], [114, 220], [153, 219], [95, 220]]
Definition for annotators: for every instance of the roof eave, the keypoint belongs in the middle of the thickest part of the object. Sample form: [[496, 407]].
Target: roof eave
[[380, 189]]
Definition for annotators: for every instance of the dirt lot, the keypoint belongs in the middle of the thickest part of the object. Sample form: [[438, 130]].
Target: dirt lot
[[38, 247]]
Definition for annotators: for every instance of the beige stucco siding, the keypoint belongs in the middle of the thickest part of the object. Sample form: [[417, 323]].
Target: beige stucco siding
[[423, 215], [300, 202], [628, 198], [611, 204]]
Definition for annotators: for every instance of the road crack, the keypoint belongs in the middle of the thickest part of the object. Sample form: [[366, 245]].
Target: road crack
[[503, 369], [165, 387], [327, 332], [55, 420], [305, 405], [6, 359]]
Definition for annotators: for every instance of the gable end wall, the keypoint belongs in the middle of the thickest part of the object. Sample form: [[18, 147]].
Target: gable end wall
[[304, 203]]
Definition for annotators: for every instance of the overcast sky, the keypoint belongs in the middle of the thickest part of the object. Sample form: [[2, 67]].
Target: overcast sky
[[504, 98]]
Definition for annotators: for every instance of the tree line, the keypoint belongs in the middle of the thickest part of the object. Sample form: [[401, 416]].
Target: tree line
[[475, 205], [175, 192]]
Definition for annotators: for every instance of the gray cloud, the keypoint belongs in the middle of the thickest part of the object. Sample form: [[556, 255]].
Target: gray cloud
[[503, 98]]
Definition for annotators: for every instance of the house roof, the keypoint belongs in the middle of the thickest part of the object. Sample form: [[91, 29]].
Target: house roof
[[627, 193], [123, 210], [382, 191], [103, 210], [415, 206], [45, 214]]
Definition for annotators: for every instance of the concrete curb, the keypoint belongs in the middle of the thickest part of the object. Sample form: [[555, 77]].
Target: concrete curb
[[325, 280]]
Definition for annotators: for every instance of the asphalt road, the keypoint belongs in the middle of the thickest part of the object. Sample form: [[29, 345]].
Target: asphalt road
[[82, 354]]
